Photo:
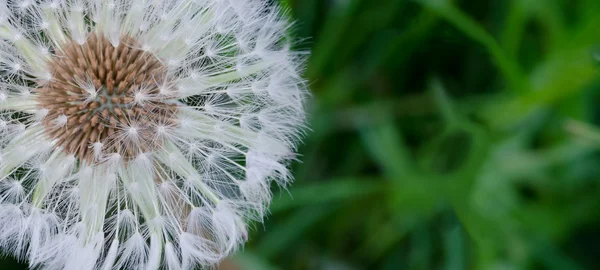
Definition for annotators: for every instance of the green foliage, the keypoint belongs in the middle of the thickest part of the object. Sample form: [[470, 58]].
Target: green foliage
[[445, 135]]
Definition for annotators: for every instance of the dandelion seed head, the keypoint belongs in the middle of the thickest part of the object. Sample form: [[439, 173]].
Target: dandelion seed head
[[142, 134]]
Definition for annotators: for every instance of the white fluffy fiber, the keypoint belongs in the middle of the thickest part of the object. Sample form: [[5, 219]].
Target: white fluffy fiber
[[183, 205]]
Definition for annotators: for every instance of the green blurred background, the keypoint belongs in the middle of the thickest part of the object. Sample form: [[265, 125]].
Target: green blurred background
[[445, 135]]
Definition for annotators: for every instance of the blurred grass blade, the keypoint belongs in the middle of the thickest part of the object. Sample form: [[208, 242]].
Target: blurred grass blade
[[583, 130], [420, 256], [337, 23], [550, 17], [333, 191], [443, 101], [514, 27], [291, 229], [455, 248], [552, 258], [386, 145], [249, 261], [399, 47], [383, 239], [561, 76], [509, 68]]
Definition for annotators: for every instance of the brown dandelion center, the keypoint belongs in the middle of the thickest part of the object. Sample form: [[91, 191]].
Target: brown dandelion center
[[106, 98]]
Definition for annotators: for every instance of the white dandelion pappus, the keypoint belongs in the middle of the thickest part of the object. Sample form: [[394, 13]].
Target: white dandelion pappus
[[142, 134]]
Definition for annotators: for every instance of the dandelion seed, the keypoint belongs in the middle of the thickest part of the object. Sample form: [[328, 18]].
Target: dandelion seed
[[141, 134]]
